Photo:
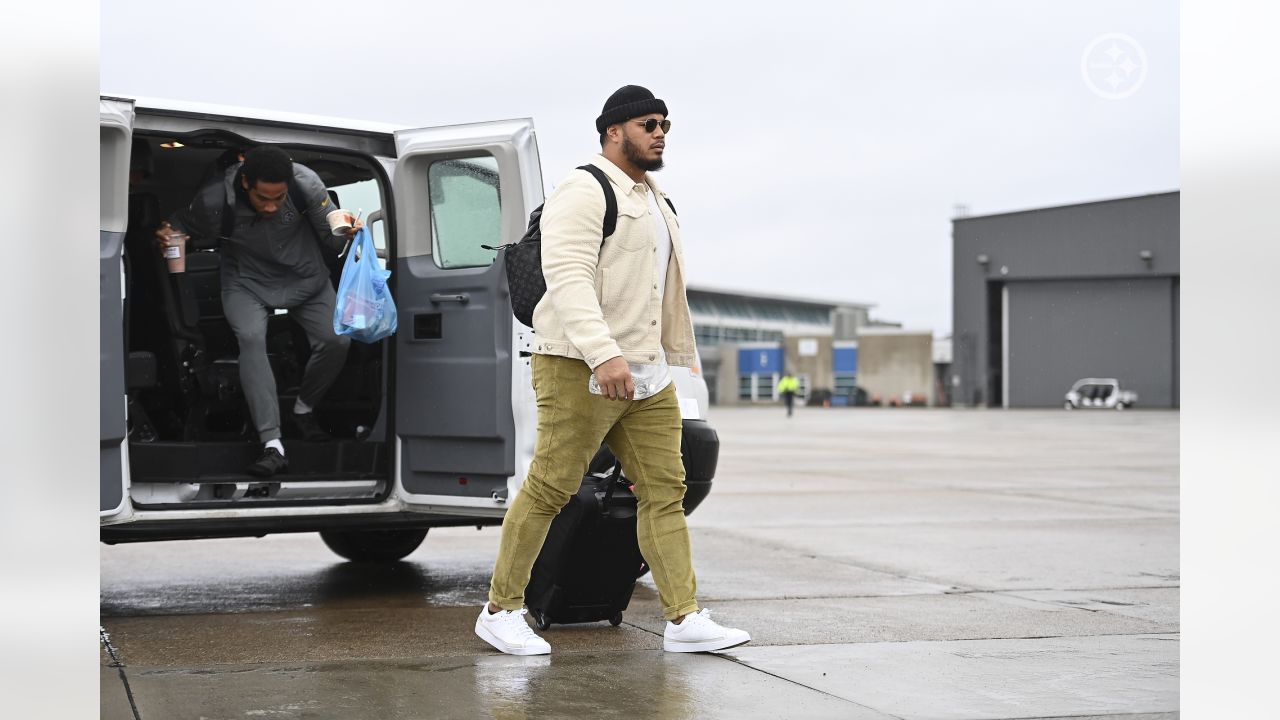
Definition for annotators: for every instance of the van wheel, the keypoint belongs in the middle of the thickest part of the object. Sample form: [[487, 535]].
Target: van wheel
[[373, 545]]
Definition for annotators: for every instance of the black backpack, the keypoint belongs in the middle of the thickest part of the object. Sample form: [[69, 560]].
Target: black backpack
[[524, 257]]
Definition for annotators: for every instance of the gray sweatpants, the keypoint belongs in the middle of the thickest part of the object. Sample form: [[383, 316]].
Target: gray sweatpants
[[248, 318]]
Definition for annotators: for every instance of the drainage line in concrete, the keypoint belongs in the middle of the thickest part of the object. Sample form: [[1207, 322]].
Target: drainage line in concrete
[[779, 677], [119, 666], [806, 687]]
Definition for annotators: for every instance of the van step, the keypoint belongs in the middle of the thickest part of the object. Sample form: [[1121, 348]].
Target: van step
[[276, 490], [220, 462], [288, 476]]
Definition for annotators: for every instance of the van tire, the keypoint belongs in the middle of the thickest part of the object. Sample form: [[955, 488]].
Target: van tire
[[373, 545]]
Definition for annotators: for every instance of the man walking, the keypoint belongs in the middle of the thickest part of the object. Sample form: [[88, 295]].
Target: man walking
[[788, 386], [272, 259], [616, 310]]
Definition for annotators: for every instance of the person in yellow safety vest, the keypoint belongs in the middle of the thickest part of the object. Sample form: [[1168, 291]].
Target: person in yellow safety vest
[[788, 386]]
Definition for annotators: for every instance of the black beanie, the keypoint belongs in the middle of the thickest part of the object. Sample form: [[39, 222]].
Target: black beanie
[[627, 102]]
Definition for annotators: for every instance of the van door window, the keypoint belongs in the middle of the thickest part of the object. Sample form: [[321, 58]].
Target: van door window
[[466, 212]]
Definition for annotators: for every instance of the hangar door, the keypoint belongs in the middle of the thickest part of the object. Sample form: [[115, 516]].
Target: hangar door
[[1058, 331]]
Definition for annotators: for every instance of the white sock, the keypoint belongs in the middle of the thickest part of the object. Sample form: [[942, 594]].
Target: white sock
[[301, 408], [275, 444]]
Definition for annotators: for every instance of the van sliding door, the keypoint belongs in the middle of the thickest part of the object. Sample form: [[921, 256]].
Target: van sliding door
[[116, 131], [456, 189]]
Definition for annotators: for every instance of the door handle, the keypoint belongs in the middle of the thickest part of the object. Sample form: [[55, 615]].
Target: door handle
[[462, 298]]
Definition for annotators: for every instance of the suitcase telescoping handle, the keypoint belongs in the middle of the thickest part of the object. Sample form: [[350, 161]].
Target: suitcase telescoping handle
[[614, 478]]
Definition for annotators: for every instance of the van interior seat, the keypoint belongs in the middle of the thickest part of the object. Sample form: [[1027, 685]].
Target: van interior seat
[[203, 272]]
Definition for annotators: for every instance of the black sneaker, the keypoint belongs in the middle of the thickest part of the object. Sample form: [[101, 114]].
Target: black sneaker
[[308, 428], [269, 464]]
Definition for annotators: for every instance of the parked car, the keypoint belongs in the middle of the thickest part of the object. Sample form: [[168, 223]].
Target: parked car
[[1099, 393], [433, 426]]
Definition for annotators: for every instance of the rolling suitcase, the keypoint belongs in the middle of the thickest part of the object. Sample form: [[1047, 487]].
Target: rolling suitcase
[[589, 563]]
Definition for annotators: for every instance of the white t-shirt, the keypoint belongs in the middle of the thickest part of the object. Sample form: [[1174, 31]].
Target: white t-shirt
[[656, 376]]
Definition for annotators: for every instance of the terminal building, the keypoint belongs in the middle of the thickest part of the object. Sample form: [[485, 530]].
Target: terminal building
[[1046, 297], [746, 341]]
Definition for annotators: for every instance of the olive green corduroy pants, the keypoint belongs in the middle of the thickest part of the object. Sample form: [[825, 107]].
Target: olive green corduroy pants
[[644, 435]]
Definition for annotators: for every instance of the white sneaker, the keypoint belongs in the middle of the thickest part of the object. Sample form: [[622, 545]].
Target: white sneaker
[[507, 631], [699, 633]]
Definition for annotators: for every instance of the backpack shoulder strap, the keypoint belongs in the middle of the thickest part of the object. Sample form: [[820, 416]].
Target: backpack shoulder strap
[[295, 194], [228, 212], [610, 200], [299, 201]]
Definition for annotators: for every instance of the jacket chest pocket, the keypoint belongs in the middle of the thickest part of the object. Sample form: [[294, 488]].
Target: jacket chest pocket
[[635, 228]]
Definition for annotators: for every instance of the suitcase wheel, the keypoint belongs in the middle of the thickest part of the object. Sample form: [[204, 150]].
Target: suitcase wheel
[[616, 620], [541, 621]]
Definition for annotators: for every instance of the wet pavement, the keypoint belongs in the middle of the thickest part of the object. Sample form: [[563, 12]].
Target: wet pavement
[[893, 563]]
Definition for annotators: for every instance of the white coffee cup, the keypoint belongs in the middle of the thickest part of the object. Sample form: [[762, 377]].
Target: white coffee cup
[[174, 251], [340, 221]]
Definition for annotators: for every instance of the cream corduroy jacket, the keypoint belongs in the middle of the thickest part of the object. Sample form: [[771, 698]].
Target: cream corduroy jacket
[[602, 300]]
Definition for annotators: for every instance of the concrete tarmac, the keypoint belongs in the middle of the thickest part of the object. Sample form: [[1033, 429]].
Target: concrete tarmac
[[889, 563]]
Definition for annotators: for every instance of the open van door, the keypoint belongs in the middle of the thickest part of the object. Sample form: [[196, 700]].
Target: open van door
[[457, 188], [116, 131]]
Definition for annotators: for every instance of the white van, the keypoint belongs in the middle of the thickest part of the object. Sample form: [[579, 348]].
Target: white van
[[433, 426]]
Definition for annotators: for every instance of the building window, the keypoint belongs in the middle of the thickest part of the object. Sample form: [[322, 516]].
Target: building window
[[843, 394], [707, 335], [845, 384], [758, 387], [765, 387]]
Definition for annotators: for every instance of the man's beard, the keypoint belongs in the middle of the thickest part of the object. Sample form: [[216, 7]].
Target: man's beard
[[632, 153]]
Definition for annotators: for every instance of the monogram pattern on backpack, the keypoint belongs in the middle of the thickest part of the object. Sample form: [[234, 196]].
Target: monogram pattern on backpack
[[524, 271]]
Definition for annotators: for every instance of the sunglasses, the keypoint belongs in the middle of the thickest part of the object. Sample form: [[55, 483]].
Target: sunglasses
[[653, 124]]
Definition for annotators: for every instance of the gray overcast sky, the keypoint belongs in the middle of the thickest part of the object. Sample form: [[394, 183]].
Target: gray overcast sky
[[817, 149]]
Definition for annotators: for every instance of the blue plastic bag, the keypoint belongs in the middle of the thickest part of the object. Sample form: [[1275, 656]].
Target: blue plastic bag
[[365, 310]]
